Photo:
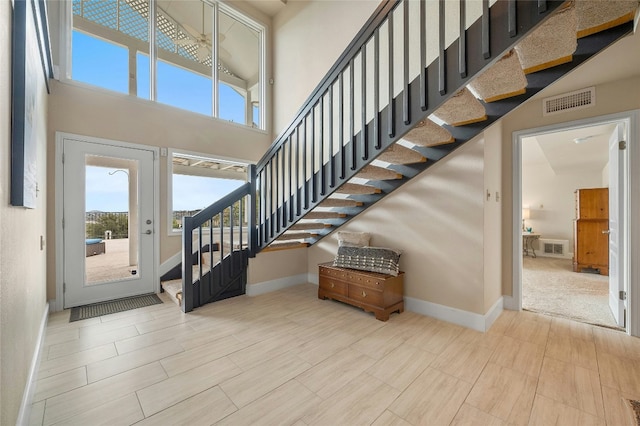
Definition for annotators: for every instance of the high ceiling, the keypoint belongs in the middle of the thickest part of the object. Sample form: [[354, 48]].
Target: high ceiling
[[268, 7]]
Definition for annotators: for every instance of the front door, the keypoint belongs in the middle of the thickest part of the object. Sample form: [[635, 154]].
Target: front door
[[108, 228]]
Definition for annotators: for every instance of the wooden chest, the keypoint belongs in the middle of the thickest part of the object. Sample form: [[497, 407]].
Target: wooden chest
[[374, 292]]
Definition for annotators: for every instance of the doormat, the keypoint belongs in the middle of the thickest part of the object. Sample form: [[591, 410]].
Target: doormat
[[105, 308]]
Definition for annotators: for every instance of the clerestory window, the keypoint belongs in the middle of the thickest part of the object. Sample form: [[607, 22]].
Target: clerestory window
[[196, 55]]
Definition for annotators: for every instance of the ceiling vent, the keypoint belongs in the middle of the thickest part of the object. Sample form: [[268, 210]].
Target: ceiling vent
[[579, 99]]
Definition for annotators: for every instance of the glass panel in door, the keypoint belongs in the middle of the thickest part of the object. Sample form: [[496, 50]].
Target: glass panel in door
[[110, 203]]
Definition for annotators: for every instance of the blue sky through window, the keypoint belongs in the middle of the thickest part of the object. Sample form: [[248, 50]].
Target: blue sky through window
[[100, 63]]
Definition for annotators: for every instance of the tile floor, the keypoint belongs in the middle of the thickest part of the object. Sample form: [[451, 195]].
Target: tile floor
[[288, 358]]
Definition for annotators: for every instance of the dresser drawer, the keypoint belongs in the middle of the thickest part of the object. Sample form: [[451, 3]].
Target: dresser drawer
[[340, 274], [332, 285], [366, 295], [366, 281]]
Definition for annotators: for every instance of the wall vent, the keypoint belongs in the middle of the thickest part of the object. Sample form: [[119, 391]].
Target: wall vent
[[554, 248], [579, 99]]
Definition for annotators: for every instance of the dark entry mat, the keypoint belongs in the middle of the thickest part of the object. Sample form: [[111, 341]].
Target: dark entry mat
[[113, 306]]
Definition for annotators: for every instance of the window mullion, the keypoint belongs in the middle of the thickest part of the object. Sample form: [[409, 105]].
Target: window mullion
[[133, 72], [214, 60], [153, 53]]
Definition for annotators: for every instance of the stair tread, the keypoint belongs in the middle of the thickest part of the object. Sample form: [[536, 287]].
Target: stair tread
[[461, 109], [285, 245], [295, 236], [503, 80], [324, 215], [427, 133], [356, 188], [370, 172], [595, 16], [551, 44], [309, 225], [340, 202], [173, 288], [398, 154]]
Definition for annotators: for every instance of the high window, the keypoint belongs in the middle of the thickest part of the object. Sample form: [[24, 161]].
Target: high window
[[196, 55]]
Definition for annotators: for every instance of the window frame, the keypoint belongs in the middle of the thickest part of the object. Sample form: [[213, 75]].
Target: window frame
[[170, 153], [64, 73]]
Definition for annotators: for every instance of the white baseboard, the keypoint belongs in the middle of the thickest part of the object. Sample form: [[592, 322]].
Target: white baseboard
[[494, 312], [30, 386], [273, 285], [456, 316], [510, 303], [312, 278]]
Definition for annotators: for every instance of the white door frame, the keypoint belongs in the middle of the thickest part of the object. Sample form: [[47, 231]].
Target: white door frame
[[632, 121], [57, 305]]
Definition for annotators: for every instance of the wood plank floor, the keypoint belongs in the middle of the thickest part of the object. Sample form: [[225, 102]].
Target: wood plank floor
[[287, 358]]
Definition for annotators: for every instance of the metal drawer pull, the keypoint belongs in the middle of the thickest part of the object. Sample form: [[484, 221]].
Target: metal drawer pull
[[364, 294], [332, 285]]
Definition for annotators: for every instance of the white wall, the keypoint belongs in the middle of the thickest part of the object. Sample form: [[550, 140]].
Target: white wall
[[550, 197], [22, 262], [308, 37]]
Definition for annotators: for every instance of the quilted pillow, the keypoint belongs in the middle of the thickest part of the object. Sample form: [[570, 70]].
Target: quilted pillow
[[374, 259], [353, 239]]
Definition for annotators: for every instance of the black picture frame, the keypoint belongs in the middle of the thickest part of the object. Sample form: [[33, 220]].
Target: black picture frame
[[31, 60]]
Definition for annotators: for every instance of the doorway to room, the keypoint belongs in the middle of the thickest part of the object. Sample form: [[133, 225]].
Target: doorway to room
[[554, 168]]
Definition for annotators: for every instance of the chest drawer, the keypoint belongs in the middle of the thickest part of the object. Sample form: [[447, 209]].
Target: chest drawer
[[366, 295], [334, 286], [369, 281]]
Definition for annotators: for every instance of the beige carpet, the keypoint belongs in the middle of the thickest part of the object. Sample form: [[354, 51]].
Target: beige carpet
[[550, 286]]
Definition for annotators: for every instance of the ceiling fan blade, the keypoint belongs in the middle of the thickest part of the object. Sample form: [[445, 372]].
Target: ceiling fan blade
[[192, 31], [185, 42], [203, 52]]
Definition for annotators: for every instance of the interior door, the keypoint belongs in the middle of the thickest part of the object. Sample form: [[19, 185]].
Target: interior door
[[107, 222], [616, 225]]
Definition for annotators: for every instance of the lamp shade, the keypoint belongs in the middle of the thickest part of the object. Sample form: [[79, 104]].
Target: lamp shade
[[526, 213]]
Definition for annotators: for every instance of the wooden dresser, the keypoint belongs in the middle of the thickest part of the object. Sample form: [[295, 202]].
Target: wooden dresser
[[374, 292], [591, 230]]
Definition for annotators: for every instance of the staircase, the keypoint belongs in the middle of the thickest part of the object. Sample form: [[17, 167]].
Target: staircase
[[396, 102]]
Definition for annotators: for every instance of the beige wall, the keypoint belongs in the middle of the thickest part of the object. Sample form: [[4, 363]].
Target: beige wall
[[551, 200], [437, 220], [308, 37], [613, 97], [492, 215], [22, 262], [98, 113], [274, 265]]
